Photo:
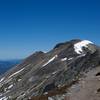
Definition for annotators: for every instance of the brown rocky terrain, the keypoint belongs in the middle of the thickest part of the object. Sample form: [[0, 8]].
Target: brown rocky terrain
[[70, 71]]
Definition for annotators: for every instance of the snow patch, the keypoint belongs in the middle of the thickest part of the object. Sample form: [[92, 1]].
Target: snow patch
[[64, 59], [50, 60], [2, 79], [10, 86], [19, 80], [54, 72], [70, 58], [16, 73], [7, 80], [46, 93], [78, 46], [3, 98], [49, 98]]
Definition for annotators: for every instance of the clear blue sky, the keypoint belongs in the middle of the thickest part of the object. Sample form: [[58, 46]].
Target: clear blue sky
[[30, 25]]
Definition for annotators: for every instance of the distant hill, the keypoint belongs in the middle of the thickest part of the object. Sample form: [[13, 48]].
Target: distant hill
[[6, 65]]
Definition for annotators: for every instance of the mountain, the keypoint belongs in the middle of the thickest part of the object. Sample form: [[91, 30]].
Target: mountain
[[70, 71], [7, 64]]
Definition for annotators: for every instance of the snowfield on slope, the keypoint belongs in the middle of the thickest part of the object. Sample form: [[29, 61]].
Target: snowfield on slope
[[2, 79], [50, 60], [4, 98], [63, 59], [16, 73], [78, 46]]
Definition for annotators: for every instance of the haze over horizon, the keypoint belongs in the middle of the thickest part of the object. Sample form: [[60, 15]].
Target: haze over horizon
[[27, 26]]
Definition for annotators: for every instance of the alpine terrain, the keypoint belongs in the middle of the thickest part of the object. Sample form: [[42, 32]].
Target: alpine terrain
[[70, 71]]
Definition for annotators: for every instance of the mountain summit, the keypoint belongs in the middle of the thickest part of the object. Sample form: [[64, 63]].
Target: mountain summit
[[55, 75]]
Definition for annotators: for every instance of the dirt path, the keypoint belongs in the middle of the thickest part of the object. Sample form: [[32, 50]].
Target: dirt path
[[88, 88]]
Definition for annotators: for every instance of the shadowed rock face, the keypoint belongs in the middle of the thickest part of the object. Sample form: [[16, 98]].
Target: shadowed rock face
[[44, 75]]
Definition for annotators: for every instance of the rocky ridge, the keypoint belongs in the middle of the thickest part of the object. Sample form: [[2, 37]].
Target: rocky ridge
[[48, 76]]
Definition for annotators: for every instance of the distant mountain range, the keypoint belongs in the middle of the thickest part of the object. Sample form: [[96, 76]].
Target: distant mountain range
[[7, 64]]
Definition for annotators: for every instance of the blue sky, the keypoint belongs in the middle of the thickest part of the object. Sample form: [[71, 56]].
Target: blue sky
[[30, 25]]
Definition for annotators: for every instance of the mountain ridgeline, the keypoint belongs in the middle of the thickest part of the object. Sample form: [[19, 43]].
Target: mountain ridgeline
[[45, 76]]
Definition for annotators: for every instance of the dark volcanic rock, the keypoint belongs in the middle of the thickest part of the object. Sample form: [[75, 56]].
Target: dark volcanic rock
[[48, 74]]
